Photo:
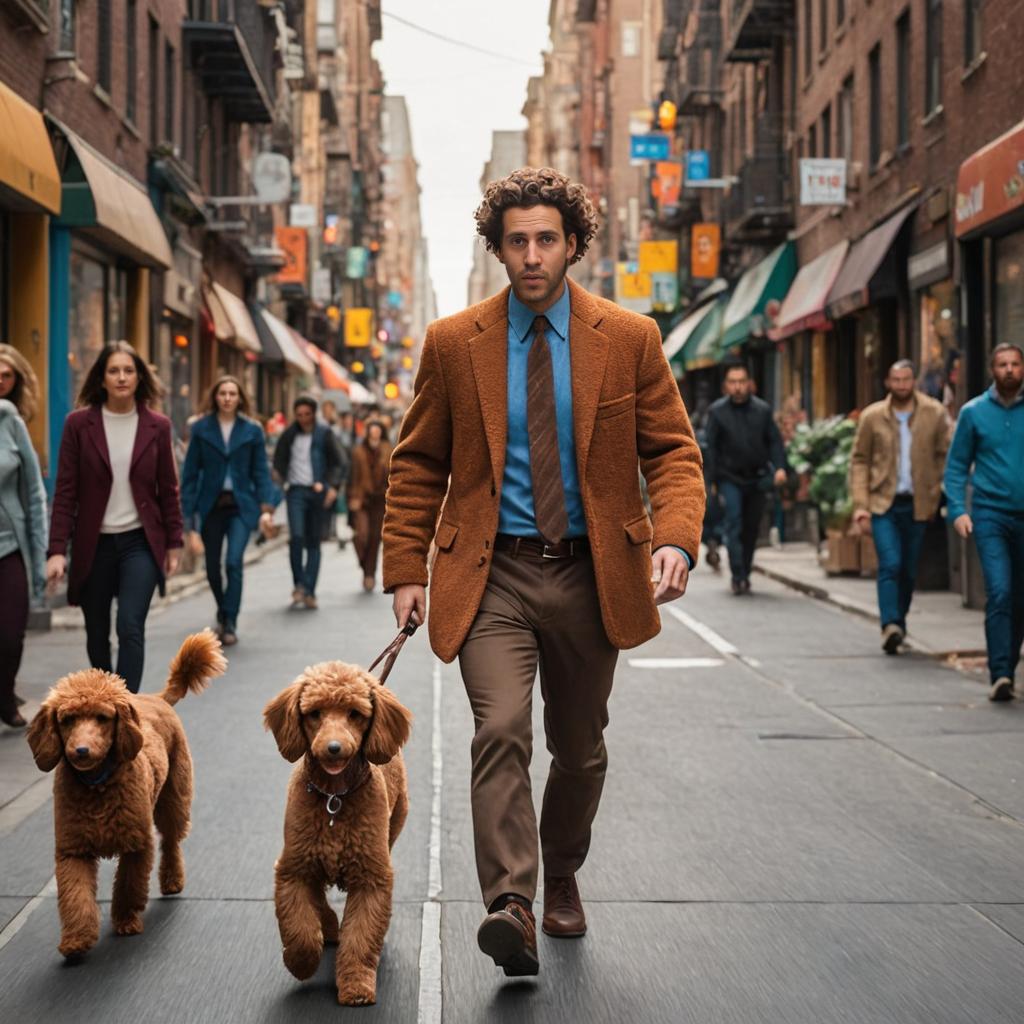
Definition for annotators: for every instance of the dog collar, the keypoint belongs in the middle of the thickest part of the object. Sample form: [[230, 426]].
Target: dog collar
[[356, 774], [106, 770]]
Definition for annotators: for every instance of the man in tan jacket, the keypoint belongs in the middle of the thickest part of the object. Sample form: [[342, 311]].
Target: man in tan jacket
[[518, 457], [896, 468]]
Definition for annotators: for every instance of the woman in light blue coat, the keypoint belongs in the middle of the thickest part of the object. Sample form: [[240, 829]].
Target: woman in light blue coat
[[22, 522]]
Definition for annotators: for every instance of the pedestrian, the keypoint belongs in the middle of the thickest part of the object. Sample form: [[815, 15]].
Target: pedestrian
[[519, 457], [308, 465], [368, 484], [990, 437], [711, 532], [895, 483], [746, 460], [332, 417], [116, 503], [225, 488], [22, 522]]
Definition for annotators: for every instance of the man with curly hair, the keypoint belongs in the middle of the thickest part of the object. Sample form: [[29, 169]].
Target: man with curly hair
[[519, 458]]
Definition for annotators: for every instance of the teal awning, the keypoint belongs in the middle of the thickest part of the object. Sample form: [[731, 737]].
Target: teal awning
[[704, 346], [764, 282]]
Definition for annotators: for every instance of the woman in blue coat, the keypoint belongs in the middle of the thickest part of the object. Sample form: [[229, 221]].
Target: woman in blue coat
[[225, 485]]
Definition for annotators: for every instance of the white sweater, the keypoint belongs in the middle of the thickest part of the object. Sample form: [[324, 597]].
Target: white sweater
[[120, 515]]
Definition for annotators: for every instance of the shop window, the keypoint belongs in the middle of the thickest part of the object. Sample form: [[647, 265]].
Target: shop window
[[875, 110], [939, 357], [98, 313], [1009, 290], [933, 56], [903, 80], [972, 31]]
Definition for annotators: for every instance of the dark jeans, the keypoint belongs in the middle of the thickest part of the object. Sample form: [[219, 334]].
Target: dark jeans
[[224, 523], [123, 567], [743, 505], [13, 620], [305, 512], [999, 537], [898, 545]]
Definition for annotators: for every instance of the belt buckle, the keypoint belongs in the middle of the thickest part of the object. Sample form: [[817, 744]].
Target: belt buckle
[[544, 553]]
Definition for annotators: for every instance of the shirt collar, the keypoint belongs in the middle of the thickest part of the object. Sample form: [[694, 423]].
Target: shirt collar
[[521, 317], [994, 395]]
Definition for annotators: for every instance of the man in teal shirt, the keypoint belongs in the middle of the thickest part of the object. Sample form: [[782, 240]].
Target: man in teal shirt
[[990, 435]]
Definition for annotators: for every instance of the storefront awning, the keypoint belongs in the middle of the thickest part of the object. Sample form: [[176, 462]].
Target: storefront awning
[[108, 204], [29, 178], [765, 282], [869, 272], [278, 343], [681, 333], [803, 309], [231, 320], [335, 377], [704, 346], [990, 184]]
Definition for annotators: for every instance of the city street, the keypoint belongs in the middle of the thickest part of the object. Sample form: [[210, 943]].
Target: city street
[[795, 828]]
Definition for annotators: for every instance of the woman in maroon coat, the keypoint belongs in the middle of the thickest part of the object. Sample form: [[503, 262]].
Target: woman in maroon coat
[[116, 502]]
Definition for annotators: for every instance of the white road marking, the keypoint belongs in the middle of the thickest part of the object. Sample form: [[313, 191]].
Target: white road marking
[[429, 1008], [706, 633], [675, 662], [18, 921]]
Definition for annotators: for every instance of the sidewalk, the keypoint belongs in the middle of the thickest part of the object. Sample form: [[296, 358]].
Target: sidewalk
[[939, 625]]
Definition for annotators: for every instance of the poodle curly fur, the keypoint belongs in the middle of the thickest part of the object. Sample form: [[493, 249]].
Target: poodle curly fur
[[123, 765], [332, 717]]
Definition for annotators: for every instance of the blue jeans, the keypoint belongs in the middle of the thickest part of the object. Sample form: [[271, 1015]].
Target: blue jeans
[[305, 511], [123, 566], [898, 541], [999, 537], [744, 504], [221, 524]]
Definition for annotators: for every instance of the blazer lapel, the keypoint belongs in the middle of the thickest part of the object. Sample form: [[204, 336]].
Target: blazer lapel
[[98, 435], [588, 353], [489, 354], [147, 430]]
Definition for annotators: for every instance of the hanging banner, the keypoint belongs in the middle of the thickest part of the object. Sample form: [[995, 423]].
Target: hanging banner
[[358, 327], [294, 243], [667, 182], [632, 287], [705, 246], [822, 182], [659, 257]]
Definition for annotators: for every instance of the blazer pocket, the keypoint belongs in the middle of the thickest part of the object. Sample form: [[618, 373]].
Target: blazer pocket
[[445, 536], [615, 405], [640, 531]]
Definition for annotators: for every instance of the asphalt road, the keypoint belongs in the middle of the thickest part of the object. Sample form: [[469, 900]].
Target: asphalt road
[[795, 828]]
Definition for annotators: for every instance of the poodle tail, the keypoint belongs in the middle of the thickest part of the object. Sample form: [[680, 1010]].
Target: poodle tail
[[199, 659]]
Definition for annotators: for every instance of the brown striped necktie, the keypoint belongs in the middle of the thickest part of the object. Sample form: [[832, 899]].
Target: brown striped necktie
[[542, 426]]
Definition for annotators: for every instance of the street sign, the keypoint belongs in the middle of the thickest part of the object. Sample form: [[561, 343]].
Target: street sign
[[358, 327], [302, 215], [698, 165], [321, 284], [659, 257], [632, 288], [652, 146], [822, 182], [272, 177], [664, 291], [294, 243], [705, 246], [356, 260]]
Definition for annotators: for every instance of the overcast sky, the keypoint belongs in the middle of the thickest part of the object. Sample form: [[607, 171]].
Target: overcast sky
[[456, 98]]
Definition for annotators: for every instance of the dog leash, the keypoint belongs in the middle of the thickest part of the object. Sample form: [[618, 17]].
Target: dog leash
[[391, 652]]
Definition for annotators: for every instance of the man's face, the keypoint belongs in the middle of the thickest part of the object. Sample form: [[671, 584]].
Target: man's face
[[900, 383], [737, 385], [1008, 371], [305, 417], [536, 254]]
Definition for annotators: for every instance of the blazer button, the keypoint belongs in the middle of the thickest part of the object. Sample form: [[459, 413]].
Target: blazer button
[[483, 561]]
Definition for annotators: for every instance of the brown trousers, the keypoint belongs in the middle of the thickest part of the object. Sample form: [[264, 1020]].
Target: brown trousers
[[369, 522], [536, 612]]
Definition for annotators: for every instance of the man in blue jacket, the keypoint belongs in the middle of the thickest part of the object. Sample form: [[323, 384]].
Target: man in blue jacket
[[308, 463], [990, 435]]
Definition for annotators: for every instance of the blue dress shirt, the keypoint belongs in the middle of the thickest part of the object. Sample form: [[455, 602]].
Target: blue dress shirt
[[516, 515]]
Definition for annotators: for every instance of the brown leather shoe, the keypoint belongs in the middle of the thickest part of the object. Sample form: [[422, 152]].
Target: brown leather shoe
[[509, 937], [563, 909]]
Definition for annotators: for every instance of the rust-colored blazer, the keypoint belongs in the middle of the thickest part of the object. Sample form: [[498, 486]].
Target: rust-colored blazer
[[368, 479], [626, 412]]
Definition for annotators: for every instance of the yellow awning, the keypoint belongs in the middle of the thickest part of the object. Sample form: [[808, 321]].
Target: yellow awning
[[27, 164]]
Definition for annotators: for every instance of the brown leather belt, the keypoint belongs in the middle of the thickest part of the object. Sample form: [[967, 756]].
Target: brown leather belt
[[577, 547]]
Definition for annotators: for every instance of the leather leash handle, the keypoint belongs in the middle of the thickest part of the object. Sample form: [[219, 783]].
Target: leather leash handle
[[391, 652]]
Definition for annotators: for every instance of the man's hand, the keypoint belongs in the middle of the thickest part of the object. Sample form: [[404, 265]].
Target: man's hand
[[962, 525], [780, 478], [670, 572], [331, 497], [171, 561], [56, 567], [862, 520], [410, 601]]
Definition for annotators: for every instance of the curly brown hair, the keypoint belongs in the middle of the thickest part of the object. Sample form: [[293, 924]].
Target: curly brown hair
[[25, 395], [537, 186]]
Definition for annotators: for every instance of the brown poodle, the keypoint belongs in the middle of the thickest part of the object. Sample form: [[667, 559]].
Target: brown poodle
[[343, 816], [123, 765]]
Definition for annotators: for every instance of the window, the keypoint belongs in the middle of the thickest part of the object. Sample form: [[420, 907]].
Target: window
[[826, 131], [808, 47], [812, 141], [154, 79], [903, 80], [169, 96], [66, 27], [131, 65], [972, 31], [631, 34], [823, 26], [933, 56], [875, 109], [103, 30], [840, 12], [846, 119]]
